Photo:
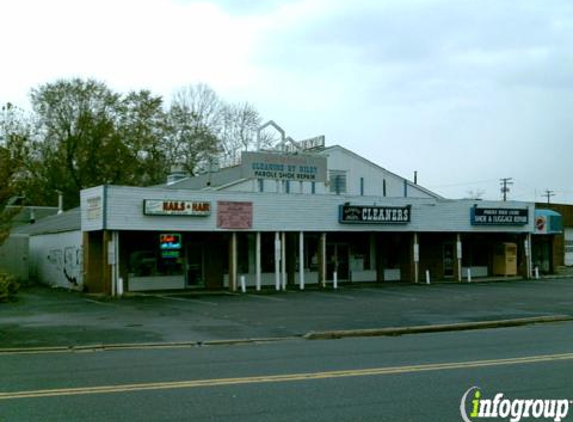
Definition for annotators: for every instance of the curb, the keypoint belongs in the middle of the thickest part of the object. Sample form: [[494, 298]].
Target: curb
[[312, 335], [129, 346], [420, 329]]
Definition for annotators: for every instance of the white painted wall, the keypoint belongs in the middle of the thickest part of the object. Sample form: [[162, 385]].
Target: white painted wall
[[296, 212], [357, 167], [57, 259]]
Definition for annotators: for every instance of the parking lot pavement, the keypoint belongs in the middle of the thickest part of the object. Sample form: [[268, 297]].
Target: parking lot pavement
[[45, 317]]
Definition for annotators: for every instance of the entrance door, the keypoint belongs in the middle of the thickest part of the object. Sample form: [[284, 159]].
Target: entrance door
[[337, 258], [449, 260], [195, 277]]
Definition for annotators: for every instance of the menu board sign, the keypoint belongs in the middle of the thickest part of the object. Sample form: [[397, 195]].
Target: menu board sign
[[234, 215]]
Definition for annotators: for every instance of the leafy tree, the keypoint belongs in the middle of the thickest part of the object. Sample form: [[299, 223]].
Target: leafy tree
[[9, 167], [78, 142], [83, 134], [142, 127], [90, 135]]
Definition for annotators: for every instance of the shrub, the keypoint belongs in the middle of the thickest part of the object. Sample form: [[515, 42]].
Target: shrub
[[8, 287]]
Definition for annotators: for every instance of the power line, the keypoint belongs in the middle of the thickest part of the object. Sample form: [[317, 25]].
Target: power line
[[505, 182], [461, 184], [549, 193]]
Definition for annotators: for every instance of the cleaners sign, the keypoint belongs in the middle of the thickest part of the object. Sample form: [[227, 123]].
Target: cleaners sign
[[374, 215], [298, 167], [499, 216]]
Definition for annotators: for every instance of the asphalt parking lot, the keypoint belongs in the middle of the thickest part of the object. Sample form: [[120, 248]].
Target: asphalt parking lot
[[45, 317]]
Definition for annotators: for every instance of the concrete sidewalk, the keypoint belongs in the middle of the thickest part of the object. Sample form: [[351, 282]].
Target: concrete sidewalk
[[45, 317]]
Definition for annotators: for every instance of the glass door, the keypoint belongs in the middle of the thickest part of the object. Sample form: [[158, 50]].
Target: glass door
[[449, 259], [195, 276], [337, 259]]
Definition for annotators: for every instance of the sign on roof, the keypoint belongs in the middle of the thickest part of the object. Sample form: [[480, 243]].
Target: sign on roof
[[298, 167], [316, 142]]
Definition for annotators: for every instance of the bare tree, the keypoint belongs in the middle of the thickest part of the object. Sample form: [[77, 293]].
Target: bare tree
[[475, 194], [240, 123], [194, 125], [205, 129]]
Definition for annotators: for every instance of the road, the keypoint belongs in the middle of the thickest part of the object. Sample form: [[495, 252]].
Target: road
[[409, 378]]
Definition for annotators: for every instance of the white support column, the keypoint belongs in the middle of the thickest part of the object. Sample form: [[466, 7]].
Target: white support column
[[459, 256], [528, 262], [115, 267], [113, 261], [118, 288], [416, 258], [301, 259], [258, 261], [283, 260], [234, 264], [323, 261], [277, 261]]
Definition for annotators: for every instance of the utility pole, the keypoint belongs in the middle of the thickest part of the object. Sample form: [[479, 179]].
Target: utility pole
[[549, 194], [505, 182]]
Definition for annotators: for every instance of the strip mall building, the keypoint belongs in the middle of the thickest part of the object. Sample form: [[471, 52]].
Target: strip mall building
[[288, 219]]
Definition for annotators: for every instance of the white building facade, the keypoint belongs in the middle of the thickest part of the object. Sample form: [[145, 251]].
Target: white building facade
[[291, 220]]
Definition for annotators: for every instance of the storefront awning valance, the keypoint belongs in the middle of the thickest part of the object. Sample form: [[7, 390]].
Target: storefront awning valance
[[548, 222]]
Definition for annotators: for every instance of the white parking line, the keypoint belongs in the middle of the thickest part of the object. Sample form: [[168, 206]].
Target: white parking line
[[274, 299], [183, 299], [388, 292], [100, 303], [334, 295]]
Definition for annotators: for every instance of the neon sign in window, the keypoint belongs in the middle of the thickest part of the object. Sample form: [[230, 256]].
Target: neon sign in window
[[169, 241]]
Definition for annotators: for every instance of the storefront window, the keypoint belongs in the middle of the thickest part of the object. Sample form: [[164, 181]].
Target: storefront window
[[151, 264], [360, 253]]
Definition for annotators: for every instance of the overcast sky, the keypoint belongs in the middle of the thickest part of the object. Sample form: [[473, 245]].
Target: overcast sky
[[464, 92]]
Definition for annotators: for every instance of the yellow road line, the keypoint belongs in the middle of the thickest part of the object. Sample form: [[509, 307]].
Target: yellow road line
[[281, 378]]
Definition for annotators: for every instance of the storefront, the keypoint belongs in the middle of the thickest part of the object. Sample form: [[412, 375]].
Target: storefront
[[548, 226], [140, 239]]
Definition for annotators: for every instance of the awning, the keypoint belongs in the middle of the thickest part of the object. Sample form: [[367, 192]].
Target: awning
[[548, 222]]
